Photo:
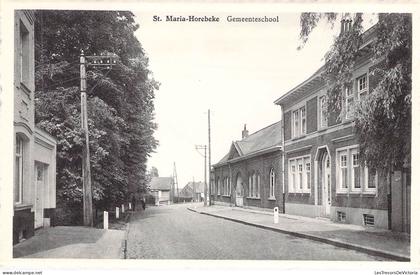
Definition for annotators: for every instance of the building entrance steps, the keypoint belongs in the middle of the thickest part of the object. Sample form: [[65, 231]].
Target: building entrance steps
[[377, 242]]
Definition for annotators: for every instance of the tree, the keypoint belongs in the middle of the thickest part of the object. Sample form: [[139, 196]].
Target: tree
[[383, 117], [154, 172], [120, 104]]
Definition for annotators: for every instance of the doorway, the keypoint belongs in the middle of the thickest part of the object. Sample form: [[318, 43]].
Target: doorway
[[239, 192], [326, 184], [40, 179]]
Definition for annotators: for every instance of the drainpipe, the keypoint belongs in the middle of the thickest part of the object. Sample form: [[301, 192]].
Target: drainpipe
[[282, 160]]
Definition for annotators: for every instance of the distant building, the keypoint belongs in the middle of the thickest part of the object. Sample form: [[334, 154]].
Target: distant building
[[193, 191], [250, 175], [161, 189], [34, 187]]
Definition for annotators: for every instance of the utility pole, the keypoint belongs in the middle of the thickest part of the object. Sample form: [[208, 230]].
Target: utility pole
[[210, 182], [102, 61], [198, 147], [175, 178], [87, 186]]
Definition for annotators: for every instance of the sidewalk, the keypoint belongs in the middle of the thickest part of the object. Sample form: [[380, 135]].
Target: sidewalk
[[378, 242], [72, 242]]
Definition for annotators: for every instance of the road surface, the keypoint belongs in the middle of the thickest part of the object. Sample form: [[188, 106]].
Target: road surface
[[174, 232]]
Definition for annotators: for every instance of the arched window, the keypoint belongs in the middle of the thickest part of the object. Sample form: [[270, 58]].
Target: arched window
[[250, 186], [272, 182], [254, 185], [258, 186]]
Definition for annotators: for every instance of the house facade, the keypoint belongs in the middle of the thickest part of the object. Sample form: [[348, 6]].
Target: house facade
[[34, 186], [161, 189], [250, 174], [323, 174], [193, 191]]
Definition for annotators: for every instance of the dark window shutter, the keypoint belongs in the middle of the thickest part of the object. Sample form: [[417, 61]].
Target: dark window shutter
[[312, 115]]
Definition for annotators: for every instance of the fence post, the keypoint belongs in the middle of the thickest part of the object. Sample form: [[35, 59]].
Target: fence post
[[122, 208], [105, 220], [129, 205], [117, 212], [276, 215]]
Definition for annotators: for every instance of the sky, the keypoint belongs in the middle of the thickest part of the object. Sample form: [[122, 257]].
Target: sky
[[236, 70]]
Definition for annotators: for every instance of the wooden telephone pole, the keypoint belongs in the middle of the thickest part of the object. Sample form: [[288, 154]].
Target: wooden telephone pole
[[102, 61]]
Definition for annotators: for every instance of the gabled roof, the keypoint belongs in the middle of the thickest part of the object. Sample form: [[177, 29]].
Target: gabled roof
[[257, 143], [188, 189], [161, 183]]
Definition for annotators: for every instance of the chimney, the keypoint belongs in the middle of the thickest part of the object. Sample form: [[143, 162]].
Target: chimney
[[244, 132]]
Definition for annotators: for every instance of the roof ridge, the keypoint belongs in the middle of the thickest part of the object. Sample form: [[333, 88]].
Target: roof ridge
[[272, 124]]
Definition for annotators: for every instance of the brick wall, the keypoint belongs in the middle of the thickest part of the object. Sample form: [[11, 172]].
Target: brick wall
[[261, 164], [310, 145]]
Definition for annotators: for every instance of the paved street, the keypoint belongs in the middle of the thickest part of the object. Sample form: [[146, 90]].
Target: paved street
[[173, 232]]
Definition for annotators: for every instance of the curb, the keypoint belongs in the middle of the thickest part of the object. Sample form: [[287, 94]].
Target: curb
[[335, 242]]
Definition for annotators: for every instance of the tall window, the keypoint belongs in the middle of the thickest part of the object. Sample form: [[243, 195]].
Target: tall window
[[299, 122], [250, 186], [18, 184], [323, 113], [353, 176], [355, 170], [272, 183], [300, 174], [307, 173], [219, 187], [349, 102], [258, 189], [362, 86], [343, 169], [24, 54], [293, 173]]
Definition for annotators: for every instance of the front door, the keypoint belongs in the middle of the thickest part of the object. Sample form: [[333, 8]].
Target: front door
[[239, 193], [39, 199], [326, 184]]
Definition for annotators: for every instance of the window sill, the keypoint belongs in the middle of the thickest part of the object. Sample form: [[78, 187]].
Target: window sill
[[306, 193], [323, 129], [22, 206], [299, 137], [226, 196], [253, 198], [272, 199]]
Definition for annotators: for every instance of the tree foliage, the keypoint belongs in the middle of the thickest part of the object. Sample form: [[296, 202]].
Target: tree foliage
[[120, 103], [383, 117]]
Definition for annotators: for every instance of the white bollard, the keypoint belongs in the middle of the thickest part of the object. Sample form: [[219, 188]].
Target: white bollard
[[129, 205], [276, 215], [122, 208], [105, 220], [117, 212]]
